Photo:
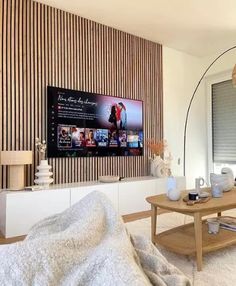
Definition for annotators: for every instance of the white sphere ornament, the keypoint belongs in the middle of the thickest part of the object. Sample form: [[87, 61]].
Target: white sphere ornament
[[43, 174]]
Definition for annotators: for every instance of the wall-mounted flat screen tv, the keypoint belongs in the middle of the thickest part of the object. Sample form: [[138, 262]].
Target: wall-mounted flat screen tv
[[84, 124]]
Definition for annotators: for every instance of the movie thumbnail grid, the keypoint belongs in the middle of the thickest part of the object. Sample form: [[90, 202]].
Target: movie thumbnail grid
[[72, 137]]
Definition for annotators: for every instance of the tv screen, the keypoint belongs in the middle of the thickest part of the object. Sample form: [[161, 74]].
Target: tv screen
[[83, 124]]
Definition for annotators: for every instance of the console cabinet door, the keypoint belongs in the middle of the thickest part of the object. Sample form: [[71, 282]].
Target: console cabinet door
[[110, 190], [23, 210]]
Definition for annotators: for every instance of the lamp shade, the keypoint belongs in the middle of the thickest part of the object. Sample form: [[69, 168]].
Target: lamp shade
[[16, 158]]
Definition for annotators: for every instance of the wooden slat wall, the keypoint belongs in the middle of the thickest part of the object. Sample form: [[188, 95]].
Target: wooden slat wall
[[40, 46]]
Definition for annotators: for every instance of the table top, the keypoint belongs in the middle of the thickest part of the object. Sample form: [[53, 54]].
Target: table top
[[228, 201]]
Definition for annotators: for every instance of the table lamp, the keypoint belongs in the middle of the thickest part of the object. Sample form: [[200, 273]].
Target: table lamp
[[16, 160]]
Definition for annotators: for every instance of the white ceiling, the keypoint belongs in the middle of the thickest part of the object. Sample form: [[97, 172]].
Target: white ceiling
[[197, 27]]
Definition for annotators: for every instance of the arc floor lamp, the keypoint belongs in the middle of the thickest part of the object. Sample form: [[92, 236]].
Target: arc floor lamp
[[193, 95]]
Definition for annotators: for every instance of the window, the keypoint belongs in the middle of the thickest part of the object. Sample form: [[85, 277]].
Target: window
[[224, 122]]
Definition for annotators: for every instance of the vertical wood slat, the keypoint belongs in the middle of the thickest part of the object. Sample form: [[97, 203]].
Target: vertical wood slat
[[42, 46]]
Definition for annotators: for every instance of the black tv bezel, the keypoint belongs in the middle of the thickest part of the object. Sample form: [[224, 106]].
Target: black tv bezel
[[110, 148]]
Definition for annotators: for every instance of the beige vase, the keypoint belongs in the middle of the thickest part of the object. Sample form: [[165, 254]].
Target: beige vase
[[158, 167], [43, 174]]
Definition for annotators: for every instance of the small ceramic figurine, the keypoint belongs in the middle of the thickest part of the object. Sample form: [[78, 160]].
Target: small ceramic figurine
[[225, 180], [229, 172]]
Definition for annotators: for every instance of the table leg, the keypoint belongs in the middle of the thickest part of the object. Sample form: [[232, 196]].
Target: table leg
[[154, 223], [198, 239]]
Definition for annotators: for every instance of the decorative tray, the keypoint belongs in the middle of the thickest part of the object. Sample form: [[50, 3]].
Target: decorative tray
[[199, 201]]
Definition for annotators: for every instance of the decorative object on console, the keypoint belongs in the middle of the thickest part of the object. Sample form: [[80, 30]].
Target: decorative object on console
[[16, 161], [43, 174], [161, 158], [193, 95], [173, 193], [109, 179], [33, 188], [223, 180], [41, 148]]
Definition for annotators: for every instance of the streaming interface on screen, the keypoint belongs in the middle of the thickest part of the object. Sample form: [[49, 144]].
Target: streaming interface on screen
[[87, 124]]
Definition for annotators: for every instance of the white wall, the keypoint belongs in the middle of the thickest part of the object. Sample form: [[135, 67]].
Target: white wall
[[225, 63], [221, 70], [181, 73]]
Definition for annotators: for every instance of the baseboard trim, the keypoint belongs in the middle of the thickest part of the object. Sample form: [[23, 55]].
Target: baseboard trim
[[4, 240], [141, 215]]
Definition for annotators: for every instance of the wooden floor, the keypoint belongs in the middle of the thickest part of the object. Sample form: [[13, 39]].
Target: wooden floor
[[11, 240], [136, 216], [126, 218]]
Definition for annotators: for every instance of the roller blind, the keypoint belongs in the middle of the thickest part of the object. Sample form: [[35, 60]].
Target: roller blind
[[224, 122]]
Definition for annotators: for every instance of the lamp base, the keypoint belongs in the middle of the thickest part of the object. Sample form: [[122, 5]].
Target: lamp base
[[16, 178]]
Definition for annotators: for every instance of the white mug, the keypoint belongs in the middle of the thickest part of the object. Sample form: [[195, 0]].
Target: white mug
[[199, 182]]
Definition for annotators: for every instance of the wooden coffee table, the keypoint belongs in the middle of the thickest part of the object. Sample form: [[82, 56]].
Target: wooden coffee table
[[193, 238]]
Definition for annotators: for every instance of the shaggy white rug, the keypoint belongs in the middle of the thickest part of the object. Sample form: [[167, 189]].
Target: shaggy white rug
[[219, 267]]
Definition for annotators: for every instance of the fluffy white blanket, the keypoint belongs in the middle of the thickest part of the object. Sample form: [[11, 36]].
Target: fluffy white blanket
[[85, 245]]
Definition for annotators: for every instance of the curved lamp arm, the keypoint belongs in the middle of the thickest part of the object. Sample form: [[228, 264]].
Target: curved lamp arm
[[191, 100]]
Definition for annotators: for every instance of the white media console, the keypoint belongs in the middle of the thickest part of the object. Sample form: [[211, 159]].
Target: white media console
[[20, 210]]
